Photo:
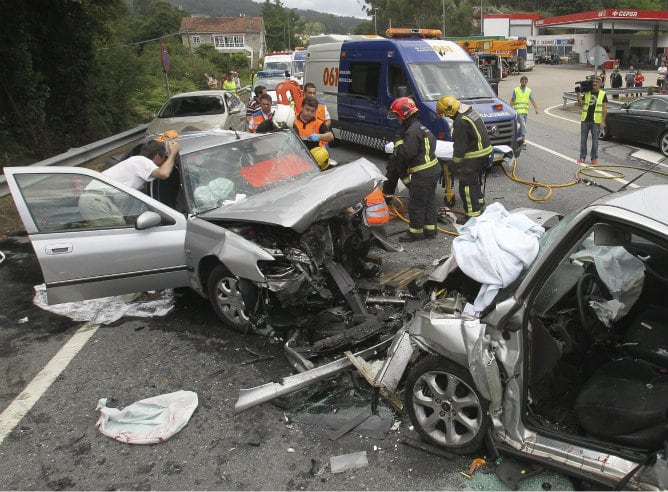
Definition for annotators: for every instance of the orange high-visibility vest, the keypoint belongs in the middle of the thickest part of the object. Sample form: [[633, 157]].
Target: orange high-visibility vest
[[307, 129], [377, 211]]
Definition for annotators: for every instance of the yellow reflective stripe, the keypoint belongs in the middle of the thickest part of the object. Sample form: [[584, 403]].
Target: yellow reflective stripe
[[422, 167], [414, 231], [478, 153], [467, 201], [430, 227]]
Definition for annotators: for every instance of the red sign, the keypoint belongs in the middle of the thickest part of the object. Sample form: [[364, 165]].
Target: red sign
[[164, 56]]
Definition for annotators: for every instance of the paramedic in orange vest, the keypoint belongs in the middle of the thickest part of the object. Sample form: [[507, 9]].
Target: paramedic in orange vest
[[262, 114], [322, 112], [313, 131], [377, 213]]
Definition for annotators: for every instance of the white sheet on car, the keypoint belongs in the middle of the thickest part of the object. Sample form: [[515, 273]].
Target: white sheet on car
[[494, 248], [147, 421], [106, 310]]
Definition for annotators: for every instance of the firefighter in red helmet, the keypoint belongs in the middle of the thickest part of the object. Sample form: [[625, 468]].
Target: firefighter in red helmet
[[414, 161]]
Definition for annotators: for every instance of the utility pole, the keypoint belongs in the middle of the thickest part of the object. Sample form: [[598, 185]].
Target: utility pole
[[482, 30], [443, 24], [375, 20]]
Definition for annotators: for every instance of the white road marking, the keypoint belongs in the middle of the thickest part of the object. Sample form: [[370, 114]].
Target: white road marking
[[547, 111], [24, 402]]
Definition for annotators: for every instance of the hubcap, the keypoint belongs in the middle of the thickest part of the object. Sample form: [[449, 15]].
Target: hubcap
[[447, 408], [231, 301]]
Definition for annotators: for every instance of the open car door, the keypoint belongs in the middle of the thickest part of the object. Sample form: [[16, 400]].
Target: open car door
[[96, 238]]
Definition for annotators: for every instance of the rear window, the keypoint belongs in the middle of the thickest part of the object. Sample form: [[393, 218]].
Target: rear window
[[192, 106]]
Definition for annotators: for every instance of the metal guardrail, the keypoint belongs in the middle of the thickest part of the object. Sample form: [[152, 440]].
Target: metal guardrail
[[631, 91], [81, 155]]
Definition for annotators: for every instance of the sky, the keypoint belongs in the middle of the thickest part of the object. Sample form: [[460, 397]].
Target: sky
[[351, 8]]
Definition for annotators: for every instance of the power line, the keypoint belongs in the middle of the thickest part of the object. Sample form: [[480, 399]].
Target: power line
[[138, 42]]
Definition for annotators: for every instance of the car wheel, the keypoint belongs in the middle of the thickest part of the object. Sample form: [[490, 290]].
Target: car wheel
[[445, 406], [663, 143], [231, 298]]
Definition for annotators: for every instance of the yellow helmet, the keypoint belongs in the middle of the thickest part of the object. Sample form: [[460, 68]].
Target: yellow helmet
[[321, 156], [447, 105]]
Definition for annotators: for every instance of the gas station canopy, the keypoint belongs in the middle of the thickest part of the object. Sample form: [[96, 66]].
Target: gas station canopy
[[617, 19]]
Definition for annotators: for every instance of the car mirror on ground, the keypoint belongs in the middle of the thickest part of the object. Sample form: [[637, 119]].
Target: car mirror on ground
[[147, 220]]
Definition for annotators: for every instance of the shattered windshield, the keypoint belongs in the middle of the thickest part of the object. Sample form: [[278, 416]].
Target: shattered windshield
[[218, 176], [462, 80]]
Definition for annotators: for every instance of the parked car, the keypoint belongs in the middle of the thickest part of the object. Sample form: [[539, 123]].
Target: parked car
[[269, 79], [567, 365], [644, 121], [200, 110], [247, 221]]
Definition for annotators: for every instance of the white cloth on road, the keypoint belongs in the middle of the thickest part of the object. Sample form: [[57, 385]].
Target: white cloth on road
[[147, 421]]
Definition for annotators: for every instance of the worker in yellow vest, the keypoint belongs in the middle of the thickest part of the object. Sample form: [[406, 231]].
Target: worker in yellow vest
[[594, 104], [522, 95]]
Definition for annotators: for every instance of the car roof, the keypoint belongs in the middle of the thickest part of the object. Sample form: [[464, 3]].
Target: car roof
[[201, 93], [647, 201]]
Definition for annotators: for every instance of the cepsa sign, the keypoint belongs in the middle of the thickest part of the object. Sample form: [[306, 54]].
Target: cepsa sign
[[330, 76]]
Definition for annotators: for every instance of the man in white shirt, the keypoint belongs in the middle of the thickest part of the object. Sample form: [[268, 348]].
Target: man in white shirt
[[156, 161]]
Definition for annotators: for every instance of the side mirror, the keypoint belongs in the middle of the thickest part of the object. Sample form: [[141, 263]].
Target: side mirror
[[147, 219]]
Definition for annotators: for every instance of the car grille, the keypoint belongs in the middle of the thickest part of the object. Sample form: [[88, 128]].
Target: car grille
[[501, 132]]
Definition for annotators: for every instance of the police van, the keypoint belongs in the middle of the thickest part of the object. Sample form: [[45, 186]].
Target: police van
[[359, 76]]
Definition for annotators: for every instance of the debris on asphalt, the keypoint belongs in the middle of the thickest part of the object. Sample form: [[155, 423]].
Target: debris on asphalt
[[349, 461], [345, 409], [148, 421], [414, 443], [106, 310], [23, 320]]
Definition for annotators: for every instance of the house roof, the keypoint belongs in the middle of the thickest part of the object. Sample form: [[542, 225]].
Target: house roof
[[221, 25]]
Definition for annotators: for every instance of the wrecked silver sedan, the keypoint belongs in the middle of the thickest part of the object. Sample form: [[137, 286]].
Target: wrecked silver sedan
[[247, 220], [566, 365]]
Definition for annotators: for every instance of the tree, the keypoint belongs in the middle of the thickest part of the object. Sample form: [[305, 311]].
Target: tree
[[281, 26]]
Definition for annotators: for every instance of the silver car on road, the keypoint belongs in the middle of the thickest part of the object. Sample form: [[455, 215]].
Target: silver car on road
[[247, 220]]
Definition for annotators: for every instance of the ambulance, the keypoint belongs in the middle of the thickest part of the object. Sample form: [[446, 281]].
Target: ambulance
[[359, 76]]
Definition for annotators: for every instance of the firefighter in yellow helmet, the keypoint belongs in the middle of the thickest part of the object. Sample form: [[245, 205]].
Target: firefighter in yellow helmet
[[470, 154], [376, 212]]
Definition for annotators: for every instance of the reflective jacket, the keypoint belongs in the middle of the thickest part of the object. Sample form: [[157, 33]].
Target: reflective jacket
[[598, 109], [521, 100], [304, 130], [414, 150], [470, 136], [258, 118], [377, 211]]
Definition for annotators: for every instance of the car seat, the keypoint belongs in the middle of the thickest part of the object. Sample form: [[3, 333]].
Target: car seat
[[625, 402], [647, 335]]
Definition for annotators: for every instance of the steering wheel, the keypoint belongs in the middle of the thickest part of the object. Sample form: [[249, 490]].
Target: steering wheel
[[590, 287]]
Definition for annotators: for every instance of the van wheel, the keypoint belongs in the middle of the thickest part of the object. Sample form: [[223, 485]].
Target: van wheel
[[231, 298], [445, 406]]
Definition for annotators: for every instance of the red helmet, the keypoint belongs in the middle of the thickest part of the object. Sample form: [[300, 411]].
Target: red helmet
[[404, 107]]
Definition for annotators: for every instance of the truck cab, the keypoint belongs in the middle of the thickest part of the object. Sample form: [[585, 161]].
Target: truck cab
[[360, 76]]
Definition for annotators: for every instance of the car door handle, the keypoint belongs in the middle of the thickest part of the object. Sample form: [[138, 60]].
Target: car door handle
[[58, 249]]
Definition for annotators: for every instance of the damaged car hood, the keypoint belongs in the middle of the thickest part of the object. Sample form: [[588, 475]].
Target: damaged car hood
[[299, 204]]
